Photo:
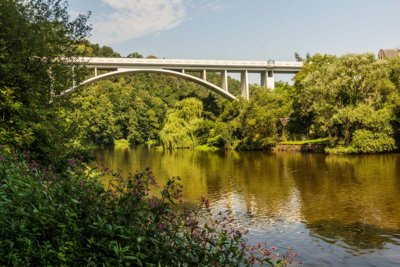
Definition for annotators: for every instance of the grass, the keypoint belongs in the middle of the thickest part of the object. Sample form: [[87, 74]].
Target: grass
[[121, 143], [320, 141]]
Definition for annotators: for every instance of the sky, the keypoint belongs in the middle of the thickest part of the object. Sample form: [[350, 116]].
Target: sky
[[240, 29]]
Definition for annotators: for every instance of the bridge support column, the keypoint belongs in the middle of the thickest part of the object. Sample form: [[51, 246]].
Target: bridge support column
[[264, 77], [224, 80], [271, 80], [183, 71], [95, 72], [204, 75], [244, 84]]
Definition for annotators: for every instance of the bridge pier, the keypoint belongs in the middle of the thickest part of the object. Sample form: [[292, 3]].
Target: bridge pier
[[224, 80], [204, 75], [95, 72], [244, 84], [264, 77], [271, 79], [267, 79]]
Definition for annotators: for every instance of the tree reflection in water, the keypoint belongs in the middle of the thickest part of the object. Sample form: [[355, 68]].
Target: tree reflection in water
[[349, 203]]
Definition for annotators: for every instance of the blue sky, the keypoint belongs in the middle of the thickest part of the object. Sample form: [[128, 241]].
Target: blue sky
[[240, 29]]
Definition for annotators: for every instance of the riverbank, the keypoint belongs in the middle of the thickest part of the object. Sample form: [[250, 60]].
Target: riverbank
[[313, 148], [320, 145], [313, 145]]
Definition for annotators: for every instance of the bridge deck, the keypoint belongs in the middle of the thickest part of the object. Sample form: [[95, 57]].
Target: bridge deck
[[229, 65]]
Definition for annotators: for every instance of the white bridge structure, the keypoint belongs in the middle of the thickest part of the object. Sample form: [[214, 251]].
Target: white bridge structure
[[187, 69]]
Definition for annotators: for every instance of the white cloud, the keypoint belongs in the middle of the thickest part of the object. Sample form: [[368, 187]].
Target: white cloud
[[136, 18]]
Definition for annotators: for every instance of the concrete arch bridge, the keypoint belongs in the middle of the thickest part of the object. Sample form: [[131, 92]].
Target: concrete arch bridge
[[182, 67]]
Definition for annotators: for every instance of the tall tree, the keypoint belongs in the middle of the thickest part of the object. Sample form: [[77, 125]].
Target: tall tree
[[344, 97], [258, 124], [182, 123], [35, 39]]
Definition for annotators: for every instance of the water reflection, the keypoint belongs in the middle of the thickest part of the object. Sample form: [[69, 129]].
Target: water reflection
[[356, 236], [349, 203]]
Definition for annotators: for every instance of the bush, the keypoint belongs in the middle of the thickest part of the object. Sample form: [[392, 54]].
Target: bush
[[368, 142], [71, 219], [365, 141]]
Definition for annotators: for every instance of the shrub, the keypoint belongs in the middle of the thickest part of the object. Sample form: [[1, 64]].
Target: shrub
[[71, 219], [368, 142]]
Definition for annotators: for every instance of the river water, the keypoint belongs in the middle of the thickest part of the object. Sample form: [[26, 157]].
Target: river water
[[333, 210]]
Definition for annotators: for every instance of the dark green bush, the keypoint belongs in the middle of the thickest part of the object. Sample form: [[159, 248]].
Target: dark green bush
[[71, 219]]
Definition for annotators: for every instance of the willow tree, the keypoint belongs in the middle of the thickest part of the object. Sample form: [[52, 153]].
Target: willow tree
[[182, 123]]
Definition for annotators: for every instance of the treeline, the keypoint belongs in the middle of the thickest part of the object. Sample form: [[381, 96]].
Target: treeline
[[352, 101]]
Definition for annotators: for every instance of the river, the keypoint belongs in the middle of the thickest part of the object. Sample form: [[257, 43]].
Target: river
[[333, 210]]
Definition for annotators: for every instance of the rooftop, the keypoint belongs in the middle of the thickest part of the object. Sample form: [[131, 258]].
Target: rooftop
[[388, 53]]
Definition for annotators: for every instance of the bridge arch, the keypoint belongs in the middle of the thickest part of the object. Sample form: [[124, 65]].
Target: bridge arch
[[121, 72]]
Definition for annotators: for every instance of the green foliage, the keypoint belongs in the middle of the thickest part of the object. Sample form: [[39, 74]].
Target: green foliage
[[182, 124], [34, 36], [221, 135], [365, 141], [87, 49], [93, 114], [71, 219], [258, 123], [306, 142], [121, 143], [394, 68], [207, 148], [135, 108], [347, 120], [135, 55], [347, 97]]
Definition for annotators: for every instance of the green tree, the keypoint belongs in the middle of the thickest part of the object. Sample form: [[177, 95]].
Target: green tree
[[35, 37], [135, 55], [95, 114], [339, 96], [298, 57], [303, 115], [182, 123], [86, 48], [258, 124]]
